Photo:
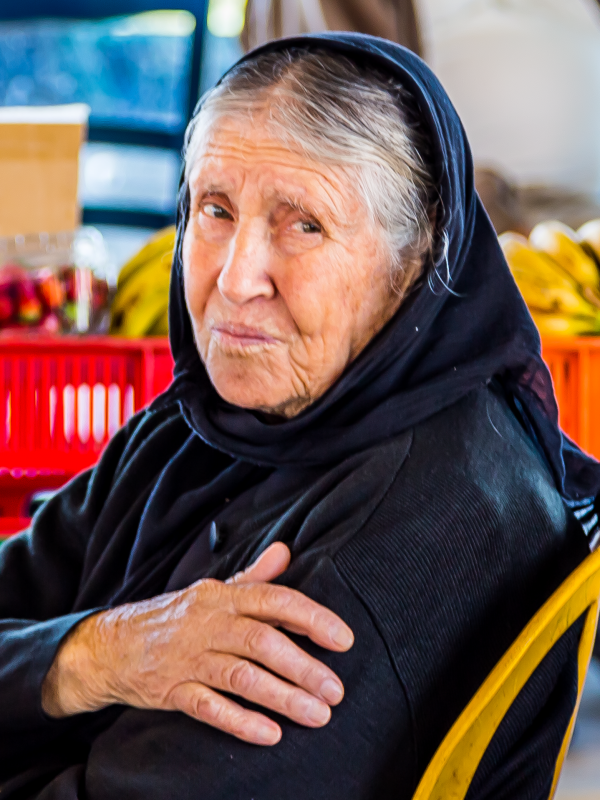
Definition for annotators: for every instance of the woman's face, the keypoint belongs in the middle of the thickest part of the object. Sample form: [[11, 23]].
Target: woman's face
[[286, 278]]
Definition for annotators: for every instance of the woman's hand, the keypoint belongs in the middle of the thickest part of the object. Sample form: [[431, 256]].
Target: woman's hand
[[172, 652]]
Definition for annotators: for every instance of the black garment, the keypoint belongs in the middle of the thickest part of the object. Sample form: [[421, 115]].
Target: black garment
[[464, 324], [436, 547], [421, 498]]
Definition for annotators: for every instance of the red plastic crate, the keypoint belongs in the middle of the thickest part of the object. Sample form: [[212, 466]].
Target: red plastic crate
[[60, 401], [62, 398], [11, 525]]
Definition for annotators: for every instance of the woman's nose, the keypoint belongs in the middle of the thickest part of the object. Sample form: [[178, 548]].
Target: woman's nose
[[245, 274]]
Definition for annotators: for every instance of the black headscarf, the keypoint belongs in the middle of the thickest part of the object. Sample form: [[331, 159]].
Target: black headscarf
[[465, 326]]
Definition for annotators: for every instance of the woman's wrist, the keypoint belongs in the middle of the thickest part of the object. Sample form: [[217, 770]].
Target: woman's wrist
[[75, 682]]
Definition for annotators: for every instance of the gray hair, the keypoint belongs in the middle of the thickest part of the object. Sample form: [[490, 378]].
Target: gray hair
[[336, 112]]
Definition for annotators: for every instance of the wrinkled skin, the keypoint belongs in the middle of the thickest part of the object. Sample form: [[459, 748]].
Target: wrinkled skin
[[286, 277]]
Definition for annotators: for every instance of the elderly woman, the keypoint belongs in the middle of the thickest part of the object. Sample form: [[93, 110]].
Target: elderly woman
[[357, 383]]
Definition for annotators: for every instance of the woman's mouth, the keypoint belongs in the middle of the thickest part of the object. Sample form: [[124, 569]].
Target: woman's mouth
[[241, 336]]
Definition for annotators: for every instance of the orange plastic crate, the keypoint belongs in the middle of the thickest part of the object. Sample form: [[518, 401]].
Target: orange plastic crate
[[61, 399], [575, 367]]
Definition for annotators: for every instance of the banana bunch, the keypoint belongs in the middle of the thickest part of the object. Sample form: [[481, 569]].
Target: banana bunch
[[141, 302], [558, 273]]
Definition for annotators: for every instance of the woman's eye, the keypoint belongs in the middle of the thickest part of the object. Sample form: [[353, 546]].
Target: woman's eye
[[307, 226], [215, 211]]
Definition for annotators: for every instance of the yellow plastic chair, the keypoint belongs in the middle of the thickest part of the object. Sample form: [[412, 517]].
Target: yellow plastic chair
[[452, 768]]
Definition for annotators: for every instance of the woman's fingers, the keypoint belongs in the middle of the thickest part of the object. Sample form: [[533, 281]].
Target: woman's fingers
[[261, 643], [294, 611], [238, 676], [246, 679], [208, 706], [268, 566]]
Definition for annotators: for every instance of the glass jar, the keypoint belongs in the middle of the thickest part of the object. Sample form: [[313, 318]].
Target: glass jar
[[48, 282]]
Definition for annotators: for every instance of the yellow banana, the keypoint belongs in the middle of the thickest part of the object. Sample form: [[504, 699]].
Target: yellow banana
[[589, 235], [161, 326], [141, 316], [555, 300], [563, 325], [523, 259], [162, 242], [156, 272], [560, 242], [543, 284], [135, 301], [160, 261]]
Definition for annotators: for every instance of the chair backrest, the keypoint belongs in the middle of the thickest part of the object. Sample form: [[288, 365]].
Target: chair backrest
[[453, 766]]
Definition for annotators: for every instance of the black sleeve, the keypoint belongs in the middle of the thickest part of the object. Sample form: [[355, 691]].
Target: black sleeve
[[40, 572], [366, 750]]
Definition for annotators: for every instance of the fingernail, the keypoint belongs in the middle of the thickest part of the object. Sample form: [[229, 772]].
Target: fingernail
[[331, 691], [318, 713], [343, 637], [265, 734]]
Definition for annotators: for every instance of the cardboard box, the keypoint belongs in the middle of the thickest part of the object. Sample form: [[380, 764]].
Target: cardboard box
[[39, 165]]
